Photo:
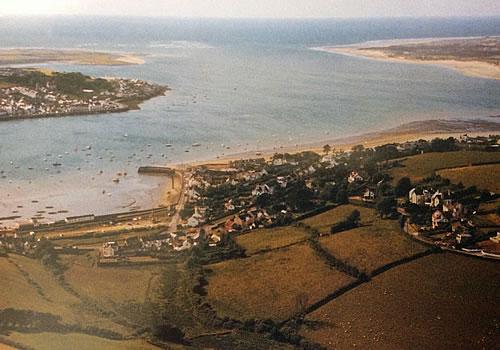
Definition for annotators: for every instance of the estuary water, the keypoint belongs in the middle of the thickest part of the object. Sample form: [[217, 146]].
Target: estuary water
[[237, 85]]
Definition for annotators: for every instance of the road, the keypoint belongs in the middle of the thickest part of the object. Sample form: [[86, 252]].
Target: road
[[176, 218]]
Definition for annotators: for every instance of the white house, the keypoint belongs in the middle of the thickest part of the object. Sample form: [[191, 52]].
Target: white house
[[354, 177]]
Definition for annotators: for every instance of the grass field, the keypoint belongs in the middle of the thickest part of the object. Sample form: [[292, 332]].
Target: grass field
[[111, 284], [34, 289], [273, 238], [268, 285], [373, 246], [436, 302], [484, 177], [423, 165], [323, 222], [76, 341]]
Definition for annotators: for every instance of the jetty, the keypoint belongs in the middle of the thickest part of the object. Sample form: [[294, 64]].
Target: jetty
[[156, 170]]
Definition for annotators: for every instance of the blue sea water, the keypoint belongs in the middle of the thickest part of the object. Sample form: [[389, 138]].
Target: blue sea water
[[242, 84]]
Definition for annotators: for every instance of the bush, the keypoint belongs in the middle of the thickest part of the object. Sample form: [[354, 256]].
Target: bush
[[351, 222]]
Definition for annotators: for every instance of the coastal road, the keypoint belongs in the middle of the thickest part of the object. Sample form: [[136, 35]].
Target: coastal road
[[180, 205]]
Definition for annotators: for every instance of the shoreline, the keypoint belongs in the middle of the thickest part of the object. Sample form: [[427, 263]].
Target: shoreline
[[412, 131], [376, 50], [170, 193]]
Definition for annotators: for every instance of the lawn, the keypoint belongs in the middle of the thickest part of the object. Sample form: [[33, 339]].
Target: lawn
[[323, 222], [266, 239], [270, 285], [443, 301], [484, 177], [373, 246], [423, 165], [76, 341]]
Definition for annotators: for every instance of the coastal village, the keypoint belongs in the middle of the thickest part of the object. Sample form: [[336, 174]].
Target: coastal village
[[28, 93], [222, 201]]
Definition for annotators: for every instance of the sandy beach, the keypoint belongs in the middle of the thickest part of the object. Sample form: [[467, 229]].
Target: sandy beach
[[426, 130], [380, 51]]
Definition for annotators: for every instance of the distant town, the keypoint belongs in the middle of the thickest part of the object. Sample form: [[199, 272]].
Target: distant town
[[31, 93]]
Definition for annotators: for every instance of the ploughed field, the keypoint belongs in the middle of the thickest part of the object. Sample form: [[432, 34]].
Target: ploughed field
[[435, 302]]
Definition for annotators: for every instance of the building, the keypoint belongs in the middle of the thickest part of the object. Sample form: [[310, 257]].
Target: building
[[354, 177], [438, 220], [419, 196]]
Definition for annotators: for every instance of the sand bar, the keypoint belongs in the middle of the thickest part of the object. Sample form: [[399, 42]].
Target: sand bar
[[480, 59]]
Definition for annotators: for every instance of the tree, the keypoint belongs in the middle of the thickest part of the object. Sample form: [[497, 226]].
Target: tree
[[263, 200], [328, 193], [441, 145], [403, 187], [327, 148], [354, 217], [342, 197], [386, 205], [168, 332]]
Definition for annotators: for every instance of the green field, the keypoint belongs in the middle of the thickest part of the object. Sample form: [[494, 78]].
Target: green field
[[423, 165], [269, 285], [373, 246], [266, 239], [484, 177], [436, 302], [323, 222]]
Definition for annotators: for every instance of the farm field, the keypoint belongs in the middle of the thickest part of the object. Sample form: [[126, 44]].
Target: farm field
[[373, 246], [323, 222], [423, 165], [435, 302], [269, 285], [33, 287], [76, 341], [484, 177], [266, 239], [103, 284]]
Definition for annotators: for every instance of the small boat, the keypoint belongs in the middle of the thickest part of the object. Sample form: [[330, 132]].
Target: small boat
[[168, 145], [196, 144]]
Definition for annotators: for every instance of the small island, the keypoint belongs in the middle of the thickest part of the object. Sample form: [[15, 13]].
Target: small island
[[33, 93], [478, 57]]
